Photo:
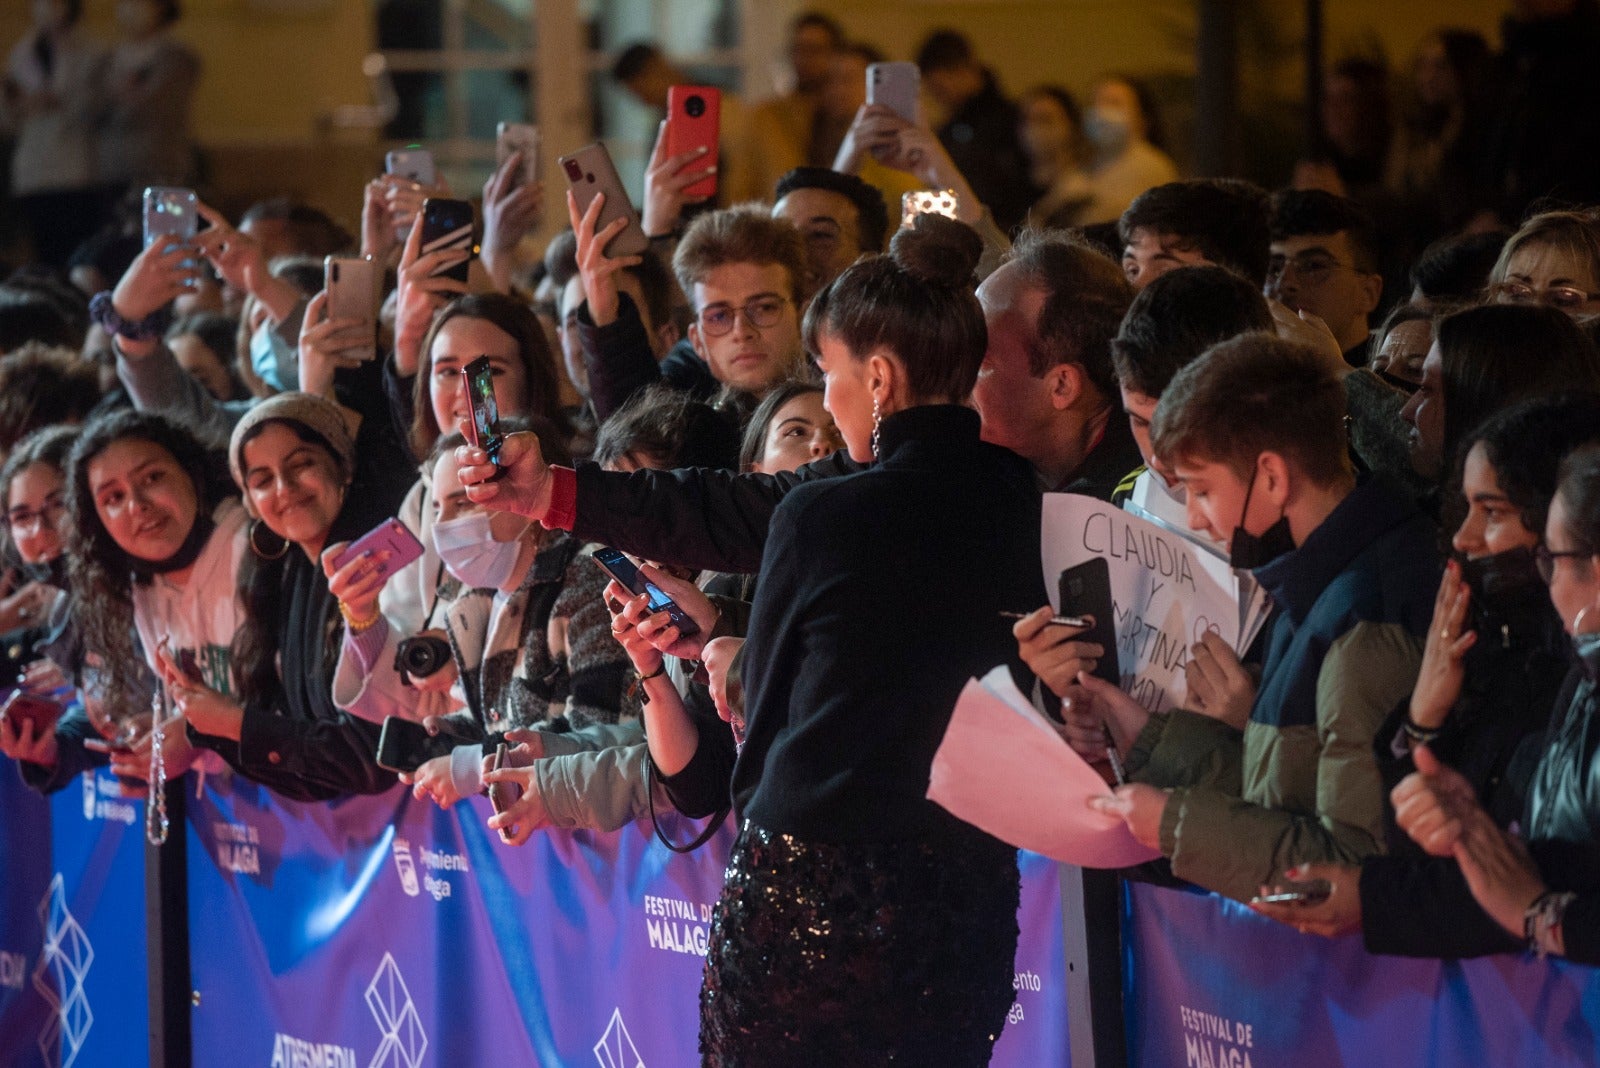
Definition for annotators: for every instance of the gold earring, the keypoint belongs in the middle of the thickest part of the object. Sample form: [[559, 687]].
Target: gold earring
[[256, 548]]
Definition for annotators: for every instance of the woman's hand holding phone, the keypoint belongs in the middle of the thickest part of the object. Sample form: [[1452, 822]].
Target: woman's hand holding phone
[[23, 740], [517, 821], [323, 342], [156, 277], [512, 209], [598, 271], [358, 583], [207, 710], [432, 782], [625, 628], [1338, 913], [422, 291], [666, 178]]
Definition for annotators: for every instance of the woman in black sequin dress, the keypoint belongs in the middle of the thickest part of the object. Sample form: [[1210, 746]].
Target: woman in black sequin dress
[[859, 923]]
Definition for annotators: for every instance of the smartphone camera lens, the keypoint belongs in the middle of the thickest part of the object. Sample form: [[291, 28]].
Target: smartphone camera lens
[[695, 106], [574, 172]]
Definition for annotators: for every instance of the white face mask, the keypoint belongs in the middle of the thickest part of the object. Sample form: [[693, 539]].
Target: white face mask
[[467, 548]]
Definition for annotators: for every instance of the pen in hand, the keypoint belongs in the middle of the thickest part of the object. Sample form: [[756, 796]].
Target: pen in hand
[[1053, 621]]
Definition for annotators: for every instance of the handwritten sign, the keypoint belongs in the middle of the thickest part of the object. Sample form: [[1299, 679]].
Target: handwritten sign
[[1167, 591]]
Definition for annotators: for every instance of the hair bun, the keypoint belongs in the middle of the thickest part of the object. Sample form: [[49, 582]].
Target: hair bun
[[938, 251]]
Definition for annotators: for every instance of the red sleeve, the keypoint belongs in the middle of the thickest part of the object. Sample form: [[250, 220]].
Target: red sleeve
[[563, 499]]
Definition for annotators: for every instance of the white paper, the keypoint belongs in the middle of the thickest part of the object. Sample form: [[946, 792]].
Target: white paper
[[1167, 591], [1004, 769]]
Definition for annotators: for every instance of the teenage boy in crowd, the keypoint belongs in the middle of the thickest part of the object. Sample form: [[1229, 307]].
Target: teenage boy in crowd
[[1254, 431], [1325, 262], [1222, 221], [744, 273]]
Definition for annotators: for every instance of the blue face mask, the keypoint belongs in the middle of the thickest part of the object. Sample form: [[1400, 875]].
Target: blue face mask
[[273, 361], [1587, 644]]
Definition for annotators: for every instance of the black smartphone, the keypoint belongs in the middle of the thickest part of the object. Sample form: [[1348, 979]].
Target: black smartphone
[[405, 745], [447, 224], [1085, 590], [616, 564], [484, 430]]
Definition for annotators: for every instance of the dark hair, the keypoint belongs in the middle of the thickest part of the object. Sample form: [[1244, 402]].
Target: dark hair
[[656, 285], [671, 428], [817, 20], [312, 231], [862, 50], [1177, 317], [26, 316], [872, 216], [755, 432], [633, 60], [111, 251], [561, 258], [943, 49], [917, 302], [1526, 442], [220, 334], [48, 446], [1456, 268], [102, 573], [1300, 212], [745, 234], [1250, 395], [1085, 297], [1063, 99], [303, 272], [1499, 353], [42, 386], [1579, 487], [1225, 219], [1154, 131], [1371, 81], [538, 364]]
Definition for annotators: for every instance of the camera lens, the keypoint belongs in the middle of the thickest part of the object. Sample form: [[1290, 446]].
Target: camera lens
[[695, 106], [574, 172]]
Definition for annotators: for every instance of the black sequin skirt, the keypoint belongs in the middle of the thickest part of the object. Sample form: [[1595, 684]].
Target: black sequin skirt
[[859, 954]]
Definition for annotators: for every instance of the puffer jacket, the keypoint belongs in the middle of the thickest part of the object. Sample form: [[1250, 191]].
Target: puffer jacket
[[1300, 783]]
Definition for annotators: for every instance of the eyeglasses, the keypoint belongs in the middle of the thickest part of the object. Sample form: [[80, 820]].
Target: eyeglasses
[[22, 520], [762, 312], [1545, 560], [1312, 268], [1564, 297]]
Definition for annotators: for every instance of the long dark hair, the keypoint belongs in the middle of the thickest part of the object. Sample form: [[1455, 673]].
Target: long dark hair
[[1526, 443], [50, 447], [538, 364], [101, 572], [1496, 354], [260, 583]]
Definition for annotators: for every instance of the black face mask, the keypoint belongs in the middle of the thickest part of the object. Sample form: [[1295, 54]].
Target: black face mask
[[1509, 599], [53, 573], [1247, 551], [187, 553]]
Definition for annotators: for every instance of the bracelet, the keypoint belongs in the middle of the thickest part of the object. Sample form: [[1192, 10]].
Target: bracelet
[[1541, 924], [151, 327], [355, 625], [1420, 735], [661, 669]]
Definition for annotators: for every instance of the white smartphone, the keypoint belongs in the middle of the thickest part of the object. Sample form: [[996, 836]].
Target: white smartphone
[[413, 163], [520, 137], [896, 86], [352, 286]]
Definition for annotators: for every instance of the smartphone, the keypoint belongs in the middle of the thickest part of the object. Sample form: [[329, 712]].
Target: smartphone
[[1312, 893], [351, 283], [39, 712], [447, 224], [483, 431], [502, 795], [511, 137], [589, 171], [944, 202], [172, 213], [616, 564], [1085, 590], [405, 745], [896, 86], [390, 534], [694, 120], [189, 664], [413, 163]]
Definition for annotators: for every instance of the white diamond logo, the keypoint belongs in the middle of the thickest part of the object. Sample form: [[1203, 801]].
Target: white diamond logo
[[615, 1048], [404, 1041], [58, 977]]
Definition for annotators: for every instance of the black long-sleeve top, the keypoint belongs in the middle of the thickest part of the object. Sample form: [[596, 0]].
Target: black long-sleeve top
[[880, 597]]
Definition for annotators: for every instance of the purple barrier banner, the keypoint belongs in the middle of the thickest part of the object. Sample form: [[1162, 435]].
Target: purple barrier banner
[[73, 988], [1212, 985], [384, 932]]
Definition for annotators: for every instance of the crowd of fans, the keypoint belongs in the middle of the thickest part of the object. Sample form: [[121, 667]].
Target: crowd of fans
[[828, 448]]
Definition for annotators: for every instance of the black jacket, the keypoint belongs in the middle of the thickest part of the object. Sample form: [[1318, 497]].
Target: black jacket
[[880, 597], [620, 361], [981, 137]]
